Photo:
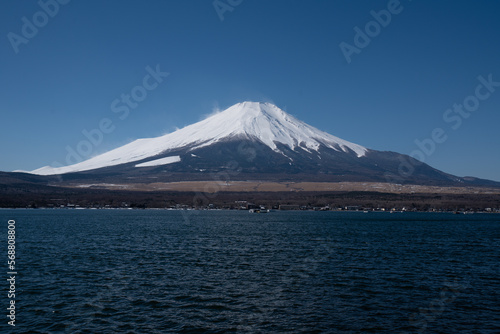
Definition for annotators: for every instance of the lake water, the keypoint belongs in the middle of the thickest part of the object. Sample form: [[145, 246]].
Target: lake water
[[155, 271]]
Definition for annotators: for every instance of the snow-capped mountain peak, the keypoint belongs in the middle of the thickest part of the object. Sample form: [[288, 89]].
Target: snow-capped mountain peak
[[259, 121], [269, 124]]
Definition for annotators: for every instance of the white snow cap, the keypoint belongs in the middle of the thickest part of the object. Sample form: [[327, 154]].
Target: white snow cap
[[255, 120]]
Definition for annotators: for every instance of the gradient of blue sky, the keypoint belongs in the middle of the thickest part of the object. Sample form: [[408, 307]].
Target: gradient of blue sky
[[283, 51]]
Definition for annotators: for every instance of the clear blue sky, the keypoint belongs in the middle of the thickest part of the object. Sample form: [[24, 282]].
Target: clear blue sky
[[395, 90]]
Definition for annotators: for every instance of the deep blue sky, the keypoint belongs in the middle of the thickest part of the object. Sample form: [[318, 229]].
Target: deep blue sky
[[394, 91]]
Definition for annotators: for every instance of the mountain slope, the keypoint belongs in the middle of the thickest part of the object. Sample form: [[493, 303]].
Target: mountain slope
[[263, 122]]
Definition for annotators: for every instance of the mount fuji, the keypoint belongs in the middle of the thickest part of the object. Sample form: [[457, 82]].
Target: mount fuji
[[252, 141]]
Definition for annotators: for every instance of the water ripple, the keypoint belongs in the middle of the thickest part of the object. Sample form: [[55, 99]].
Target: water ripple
[[92, 271]]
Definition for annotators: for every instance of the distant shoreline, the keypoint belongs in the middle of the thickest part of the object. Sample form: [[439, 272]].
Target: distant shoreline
[[271, 210], [429, 198]]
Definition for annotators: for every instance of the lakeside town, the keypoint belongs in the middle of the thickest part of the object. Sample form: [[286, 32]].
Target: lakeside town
[[256, 208]]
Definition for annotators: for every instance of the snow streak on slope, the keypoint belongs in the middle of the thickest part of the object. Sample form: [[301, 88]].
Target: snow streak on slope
[[253, 120], [160, 162]]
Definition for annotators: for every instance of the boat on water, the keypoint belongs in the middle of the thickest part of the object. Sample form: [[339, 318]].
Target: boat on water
[[258, 210]]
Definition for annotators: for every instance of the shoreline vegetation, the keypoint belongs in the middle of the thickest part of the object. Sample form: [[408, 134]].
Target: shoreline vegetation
[[342, 196], [300, 209]]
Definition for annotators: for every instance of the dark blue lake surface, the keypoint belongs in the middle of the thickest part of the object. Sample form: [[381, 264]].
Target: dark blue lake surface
[[147, 271]]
